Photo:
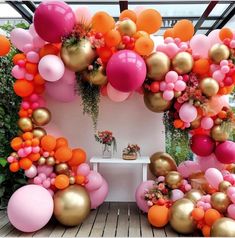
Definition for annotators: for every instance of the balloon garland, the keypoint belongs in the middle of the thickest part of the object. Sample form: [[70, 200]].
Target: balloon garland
[[187, 75]]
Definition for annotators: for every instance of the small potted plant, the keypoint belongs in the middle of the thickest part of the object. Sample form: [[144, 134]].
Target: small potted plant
[[108, 141], [131, 152]]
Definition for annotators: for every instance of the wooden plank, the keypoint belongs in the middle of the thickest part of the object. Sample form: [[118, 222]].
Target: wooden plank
[[3, 221], [99, 225], [87, 225], [46, 230], [6, 229], [134, 223], [58, 231], [111, 224], [170, 232], [158, 232], [123, 220], [14, 233], [146, 229], [71, 231]]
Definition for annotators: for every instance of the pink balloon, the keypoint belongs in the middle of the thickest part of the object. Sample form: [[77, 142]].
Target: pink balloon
[[38, 42], [188, 112], [225, 152], [213, 37], [69, 77], [116, 95], [53, 20], [51, 68], [213, 177], [218, 76], [188, 167], [18, 72], [230, 191], [231, 211], [176, 194], [162, 85], [207, 123], [94, 181], [20, 37], [32, 57], [140, 192], [180, 86], [98, 196], [168, 95], [126, 70], [171, 77], [170, 86], [215, 105], [83, 15], [31, 172], [45, 169], [30, 208], [83, 169], [200, 44]]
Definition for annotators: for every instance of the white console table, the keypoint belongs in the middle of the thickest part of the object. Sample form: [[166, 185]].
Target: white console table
[[144, 161]]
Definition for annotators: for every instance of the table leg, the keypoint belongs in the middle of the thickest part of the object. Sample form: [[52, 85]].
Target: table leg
[[145, 169], [95, 167]]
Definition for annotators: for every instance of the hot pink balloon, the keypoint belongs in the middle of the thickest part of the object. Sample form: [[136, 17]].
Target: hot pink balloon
[[188, 167], [116, 95], [225, 152], [200, 44], [188, 112], [140, 192], [168, 95], [126, 71], [213, 177], [176, 194], [69, 77], [94, 181], [83, 169], [98, 196], [30, 208], [207, 123]]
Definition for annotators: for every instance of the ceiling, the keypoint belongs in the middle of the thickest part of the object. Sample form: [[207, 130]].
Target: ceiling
[[206, 15]]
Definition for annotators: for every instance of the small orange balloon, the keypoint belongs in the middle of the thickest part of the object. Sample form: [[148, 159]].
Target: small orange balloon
[[198, 214], [5, 45], [35, 142], [80, 179], [139, 34], [48, 143], [39, 89], [184, 30], [206, 231], [128, 14], [31, 68], [63, 154], [16, 143], [39, 80], [112, 38], [23, 113], [34, 156], [169, 33], [61, 141], [201, 66], [14, 167], [48, 49], [25, 163], [225, 33], [104, 53], [27, 136], [78, 157], [23, 87], [18, 57], [211, 215], [158, 216], [144, 46], [61, 181]]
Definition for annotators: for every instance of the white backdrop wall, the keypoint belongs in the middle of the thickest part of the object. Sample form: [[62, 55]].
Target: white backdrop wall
[[130, 121]]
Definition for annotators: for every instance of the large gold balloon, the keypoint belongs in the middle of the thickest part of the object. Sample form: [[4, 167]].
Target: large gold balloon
[[223, 227], [39, 132], [209, 87], [219, 52], [194, 195], [173, 179], [158, 64], [155, 102], [77, 57], [224, 185], [41, 116], [97, 78], [62, 168], [127, 27], [220, 201], [180, 216], [218, 134], [183, 63], [72, 205], [161, 164], [25, 124]]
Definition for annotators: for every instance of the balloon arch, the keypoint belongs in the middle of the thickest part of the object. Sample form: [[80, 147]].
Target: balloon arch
[[187, 75]]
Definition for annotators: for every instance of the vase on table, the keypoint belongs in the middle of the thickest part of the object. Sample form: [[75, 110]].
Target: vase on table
[[106, 151]]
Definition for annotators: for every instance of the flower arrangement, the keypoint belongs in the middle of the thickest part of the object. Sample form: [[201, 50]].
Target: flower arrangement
[[131, 152]]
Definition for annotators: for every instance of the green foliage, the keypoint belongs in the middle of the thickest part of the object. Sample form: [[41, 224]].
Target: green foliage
[[8, 27]]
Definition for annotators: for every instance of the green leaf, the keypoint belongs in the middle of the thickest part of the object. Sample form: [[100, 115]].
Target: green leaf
[[2, 178], [2, 191], [3, 162]]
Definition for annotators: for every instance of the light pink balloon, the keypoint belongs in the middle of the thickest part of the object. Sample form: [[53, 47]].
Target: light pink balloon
[[162, 85], [83, 15], [231, 211], [230, 191], [51, 68], [18, 72], [20, 37], [31, 172], [188, 167], [45, 169], [30, 208], [171, 77], [200, 44], [94, 181], [98, 196], [218, 75], [207, 123], [176, 194], [140, 192], [168, 95], [213, 177], [188, 112], [116, 95], [32, 57], [38, 42], [180, 85], [213, 37], [83, 169]]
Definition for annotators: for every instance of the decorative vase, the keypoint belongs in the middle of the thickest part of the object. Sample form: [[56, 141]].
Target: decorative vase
[[107, 151], [130, 156]]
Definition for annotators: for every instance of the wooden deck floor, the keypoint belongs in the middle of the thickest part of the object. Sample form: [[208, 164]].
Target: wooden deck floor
[[109, 220]]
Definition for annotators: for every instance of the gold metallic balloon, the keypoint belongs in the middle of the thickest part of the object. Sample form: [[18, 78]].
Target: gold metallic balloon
[[41, 161], [25, 124], [127, 27], [180, 216], [219, 52], [218, 121], [78, 56], [72, 205], [223, 227], [194, 195], [72, 180], [161, 164], [209, 87], [196, 123], [177, 94], [158, 64], [218, 134], [39, 132], [220, 201], [224, 185], [155, 102], [183, 63], [173, 179], [50, 161], [14, 154], [41, 116], [62, 168], [97, 78]]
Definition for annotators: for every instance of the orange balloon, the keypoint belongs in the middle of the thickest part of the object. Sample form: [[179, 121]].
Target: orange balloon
[[23, 87], [5, 45], [14, 167], [39, 89], [104, 53], [31, 68], [25, 163], [61, 141], [206, 231], [201, 66], [149, 20], [139, 34], [48, 143], [158, 216], [78, 157], [61, 181], [35, 142], [48, 49], [23, 113], [34, 156], [211, 215], [144, 46], [225, 33], [128, 14], [112, 38], [80, 179], [169, 33], [63, 154], [184, 30], [230, 89], [198, 214], [39, 80], [102, 22], [18, 57], [27, 136], [16, 143]]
